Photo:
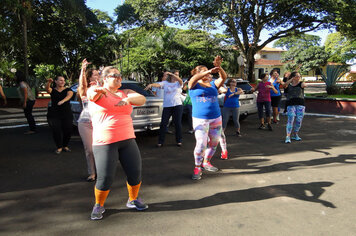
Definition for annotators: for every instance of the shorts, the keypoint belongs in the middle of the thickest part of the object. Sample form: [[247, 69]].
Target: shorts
[[275, 100]]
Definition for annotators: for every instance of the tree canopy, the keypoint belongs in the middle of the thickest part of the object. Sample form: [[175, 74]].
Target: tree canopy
[[242, 20], [340, 48], [59, 32], [149, 53], [304, 52]]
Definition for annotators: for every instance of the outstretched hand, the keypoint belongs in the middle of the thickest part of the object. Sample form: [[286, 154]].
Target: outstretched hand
[[148, 87], [217, 61], [100, 90], [85, 63], [214, 70]]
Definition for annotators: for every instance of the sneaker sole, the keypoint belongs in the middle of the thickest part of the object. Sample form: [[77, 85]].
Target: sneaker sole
[[210, 170], [133, 206], [197, 177], [97, 218]]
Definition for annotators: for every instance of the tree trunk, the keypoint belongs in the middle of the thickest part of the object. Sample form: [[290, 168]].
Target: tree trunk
[[24, 32], [249, 62]]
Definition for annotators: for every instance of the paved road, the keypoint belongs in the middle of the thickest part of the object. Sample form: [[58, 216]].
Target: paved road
[[265, 188], [14, 117]]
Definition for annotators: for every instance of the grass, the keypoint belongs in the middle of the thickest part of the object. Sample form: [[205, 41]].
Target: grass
[[325, 95]]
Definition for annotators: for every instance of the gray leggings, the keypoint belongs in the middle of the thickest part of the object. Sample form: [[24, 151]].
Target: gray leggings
[[86, 133], [106, 157], [235, 116]]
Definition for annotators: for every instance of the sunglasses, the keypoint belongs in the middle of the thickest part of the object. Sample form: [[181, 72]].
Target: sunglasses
[[114, 75]]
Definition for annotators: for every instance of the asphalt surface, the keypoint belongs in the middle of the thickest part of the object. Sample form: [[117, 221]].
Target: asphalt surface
[[265, 188]]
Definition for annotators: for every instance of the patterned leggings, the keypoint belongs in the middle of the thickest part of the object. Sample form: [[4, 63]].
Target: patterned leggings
[[207, 135], [223, 141], [294, 112]]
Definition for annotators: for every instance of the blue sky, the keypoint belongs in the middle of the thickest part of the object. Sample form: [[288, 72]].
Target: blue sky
[[110, 5]]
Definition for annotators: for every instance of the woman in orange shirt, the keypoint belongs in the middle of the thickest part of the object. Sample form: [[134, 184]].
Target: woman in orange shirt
[[114, 139]]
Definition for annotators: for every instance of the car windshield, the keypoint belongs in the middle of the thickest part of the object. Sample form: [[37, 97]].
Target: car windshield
[[244, 86], [138, 88]]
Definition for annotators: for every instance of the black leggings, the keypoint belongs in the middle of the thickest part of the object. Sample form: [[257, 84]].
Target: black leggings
[[106, 157], [28, 114], [61, 130]]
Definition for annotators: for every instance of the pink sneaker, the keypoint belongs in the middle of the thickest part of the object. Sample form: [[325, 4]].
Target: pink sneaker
[[197, 173], [224, 155], [209, 167]]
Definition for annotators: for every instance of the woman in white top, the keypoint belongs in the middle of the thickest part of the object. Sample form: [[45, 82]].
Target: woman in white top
[[28, 100], [85, 128], [172, 105]]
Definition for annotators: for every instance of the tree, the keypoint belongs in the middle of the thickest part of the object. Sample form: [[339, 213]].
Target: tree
[[340, 48], [302, 41], [304, 52], [343, 13], [243, 20], [151, 52], [60, 33], [305, 59]]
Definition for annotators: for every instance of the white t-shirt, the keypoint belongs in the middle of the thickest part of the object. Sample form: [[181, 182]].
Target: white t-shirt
[[30, 95], [172, 92], [159, 92]]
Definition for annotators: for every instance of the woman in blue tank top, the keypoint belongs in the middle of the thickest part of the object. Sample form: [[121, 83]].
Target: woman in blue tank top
[[206, 114], [275, 97], [231, 107]]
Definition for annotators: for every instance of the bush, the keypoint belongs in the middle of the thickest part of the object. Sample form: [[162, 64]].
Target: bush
[[351, 90], [332, 90]]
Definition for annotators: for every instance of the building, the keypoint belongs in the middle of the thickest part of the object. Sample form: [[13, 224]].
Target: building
[[268, 59]]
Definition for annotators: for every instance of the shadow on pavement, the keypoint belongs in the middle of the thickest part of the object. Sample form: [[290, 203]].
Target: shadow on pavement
[[287, 166], [310, 192]]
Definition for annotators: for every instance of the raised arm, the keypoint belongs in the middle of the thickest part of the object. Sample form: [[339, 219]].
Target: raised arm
[[194, 80], [177, 78], [83, 85], [185, 85], [48, 85], [222, 78], [222, 74]]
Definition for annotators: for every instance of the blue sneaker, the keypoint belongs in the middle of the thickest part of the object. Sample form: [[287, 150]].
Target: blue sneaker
[[287, 140], [97, 212], [138, 204], [296, 138]]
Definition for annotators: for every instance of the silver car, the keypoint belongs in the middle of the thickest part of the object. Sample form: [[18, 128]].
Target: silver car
[[146, 117], [248, 100]]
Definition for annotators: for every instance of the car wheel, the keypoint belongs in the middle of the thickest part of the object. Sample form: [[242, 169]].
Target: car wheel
[[242, 117]]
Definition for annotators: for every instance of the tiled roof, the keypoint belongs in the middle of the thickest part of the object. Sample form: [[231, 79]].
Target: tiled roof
[[266, 62], [268, 49]]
